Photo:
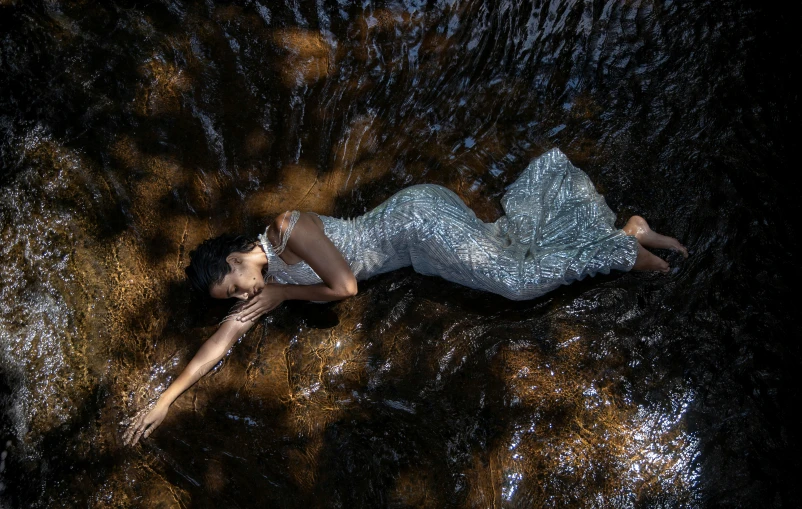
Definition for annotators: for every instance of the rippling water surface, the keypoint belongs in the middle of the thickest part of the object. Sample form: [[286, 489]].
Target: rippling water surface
[[131, 132]]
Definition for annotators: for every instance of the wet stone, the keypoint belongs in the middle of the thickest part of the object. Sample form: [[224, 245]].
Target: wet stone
[[130, 135]]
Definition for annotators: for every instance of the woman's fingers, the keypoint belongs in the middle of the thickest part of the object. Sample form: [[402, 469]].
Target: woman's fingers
[[132, 427], [150, 430], [140, 425], [255, 312], [254, 307], [140, 430], [131, 434], [250, 315], [136, 438]]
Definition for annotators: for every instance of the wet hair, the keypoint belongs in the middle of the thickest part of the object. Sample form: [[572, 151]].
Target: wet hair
[[207, 263]]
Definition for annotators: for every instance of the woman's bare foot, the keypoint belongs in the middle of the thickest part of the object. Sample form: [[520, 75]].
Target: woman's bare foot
[[639, 228], [648, 262]]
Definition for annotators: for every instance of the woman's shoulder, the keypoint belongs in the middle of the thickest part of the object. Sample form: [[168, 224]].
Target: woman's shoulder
[[280, 228], [281, 223]]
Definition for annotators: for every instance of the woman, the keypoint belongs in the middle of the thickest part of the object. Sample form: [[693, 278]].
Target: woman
[[556, 229]]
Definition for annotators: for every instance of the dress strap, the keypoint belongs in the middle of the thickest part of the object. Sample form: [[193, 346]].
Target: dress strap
[[285, 236]]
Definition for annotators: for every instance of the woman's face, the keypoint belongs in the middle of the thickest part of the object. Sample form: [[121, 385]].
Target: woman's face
[[245, 279]]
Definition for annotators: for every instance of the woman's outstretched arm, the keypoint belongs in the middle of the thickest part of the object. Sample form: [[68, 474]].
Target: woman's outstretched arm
[[207, 357]]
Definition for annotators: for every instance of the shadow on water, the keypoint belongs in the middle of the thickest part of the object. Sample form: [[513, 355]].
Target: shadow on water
[[129, 133]]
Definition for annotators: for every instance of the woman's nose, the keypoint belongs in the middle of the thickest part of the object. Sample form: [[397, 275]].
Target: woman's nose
[[243, 296]]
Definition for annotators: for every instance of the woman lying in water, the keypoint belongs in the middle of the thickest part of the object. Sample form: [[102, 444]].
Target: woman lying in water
[[556, 229]]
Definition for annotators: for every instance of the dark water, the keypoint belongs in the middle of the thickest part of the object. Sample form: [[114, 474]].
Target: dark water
[[129, 133]]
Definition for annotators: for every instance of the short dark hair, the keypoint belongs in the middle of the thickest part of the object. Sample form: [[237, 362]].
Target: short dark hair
[[207, 262]]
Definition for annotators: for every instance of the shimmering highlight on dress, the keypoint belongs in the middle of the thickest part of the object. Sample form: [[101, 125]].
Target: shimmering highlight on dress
[[556, 229]]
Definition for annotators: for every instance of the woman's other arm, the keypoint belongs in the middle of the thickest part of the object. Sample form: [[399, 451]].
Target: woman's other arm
[[308, 243], [210, 353]]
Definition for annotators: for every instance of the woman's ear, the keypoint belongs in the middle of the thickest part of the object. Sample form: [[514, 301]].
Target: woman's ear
[[233, 259]]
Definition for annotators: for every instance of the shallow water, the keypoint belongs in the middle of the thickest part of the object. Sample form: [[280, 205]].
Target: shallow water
[[129, 133]]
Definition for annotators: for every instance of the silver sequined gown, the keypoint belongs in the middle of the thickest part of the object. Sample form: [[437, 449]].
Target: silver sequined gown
[[556, 229]]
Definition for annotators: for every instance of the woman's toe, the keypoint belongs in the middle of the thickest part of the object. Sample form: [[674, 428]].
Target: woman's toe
[[682, 249]]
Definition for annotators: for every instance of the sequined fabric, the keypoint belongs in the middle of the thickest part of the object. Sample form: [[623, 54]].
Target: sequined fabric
[[556, 229]]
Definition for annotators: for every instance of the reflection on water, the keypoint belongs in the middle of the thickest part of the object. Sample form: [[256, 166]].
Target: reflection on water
[[130, 133]]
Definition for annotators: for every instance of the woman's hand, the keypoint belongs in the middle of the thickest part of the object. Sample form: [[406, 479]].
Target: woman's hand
[[144, 422], [271, 296]]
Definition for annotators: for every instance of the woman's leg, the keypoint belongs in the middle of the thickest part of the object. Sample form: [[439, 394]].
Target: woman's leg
[[648, 238]]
